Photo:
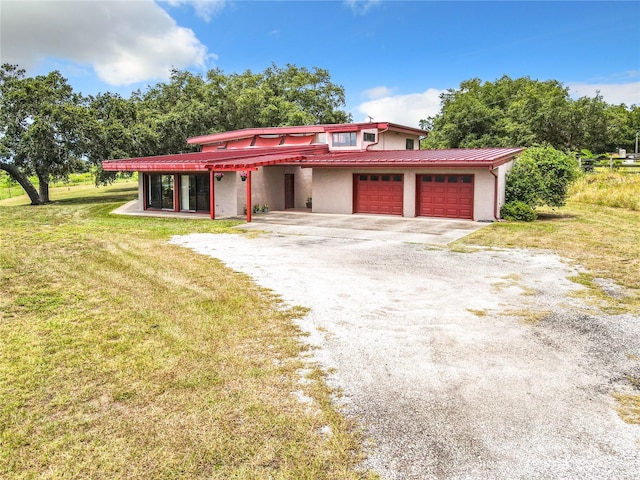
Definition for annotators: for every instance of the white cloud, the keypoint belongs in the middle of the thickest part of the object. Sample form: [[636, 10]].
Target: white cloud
[[403, 109], [627, 93], [125, 42], [377, 92], [205, 9], [360, 7]]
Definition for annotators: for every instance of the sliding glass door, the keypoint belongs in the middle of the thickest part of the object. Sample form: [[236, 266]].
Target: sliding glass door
[[160, 191], [194, 193]]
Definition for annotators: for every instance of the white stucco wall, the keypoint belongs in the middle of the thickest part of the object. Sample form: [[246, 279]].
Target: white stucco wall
[[333, 189]]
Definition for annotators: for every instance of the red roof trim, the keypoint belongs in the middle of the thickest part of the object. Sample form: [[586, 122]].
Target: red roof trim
[[309, 129], [234, 159], [250, 132], [482, 157], [315, 156]]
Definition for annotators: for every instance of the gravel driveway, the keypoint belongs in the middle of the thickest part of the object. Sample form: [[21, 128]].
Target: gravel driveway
[[478, 365]]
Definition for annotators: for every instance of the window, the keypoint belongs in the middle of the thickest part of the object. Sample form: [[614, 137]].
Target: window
[[453, 179], [409, 143], [344, 139], [386, 178], [374, 178], [364, 178], [369, 137], [397, 178], [440, 178], [160, 191], [466, 179], [427, 178]]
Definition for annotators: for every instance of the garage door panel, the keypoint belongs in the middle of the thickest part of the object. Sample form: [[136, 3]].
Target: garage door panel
[[379, 194], [449, 195]]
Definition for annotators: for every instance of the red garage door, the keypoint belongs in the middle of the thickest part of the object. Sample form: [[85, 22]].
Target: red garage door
[[378, 193], [449, 196]]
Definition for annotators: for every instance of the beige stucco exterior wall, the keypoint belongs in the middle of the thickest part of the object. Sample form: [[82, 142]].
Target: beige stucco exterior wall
[[267, 187], [225, 200], [395, 141], [484, 195], [140, 203], [384, 141], [333, 190], [501, 172]]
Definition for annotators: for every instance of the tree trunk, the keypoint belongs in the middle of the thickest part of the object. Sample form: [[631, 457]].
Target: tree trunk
[[44, 189], [24, 182]]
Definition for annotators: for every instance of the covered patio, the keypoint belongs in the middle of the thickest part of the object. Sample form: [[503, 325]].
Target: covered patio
[[215, 164]]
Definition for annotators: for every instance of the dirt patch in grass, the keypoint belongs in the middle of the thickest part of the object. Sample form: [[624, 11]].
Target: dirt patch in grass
[[604, 240]]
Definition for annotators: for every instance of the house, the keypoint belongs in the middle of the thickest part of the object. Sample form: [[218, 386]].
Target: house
[[374, 167]]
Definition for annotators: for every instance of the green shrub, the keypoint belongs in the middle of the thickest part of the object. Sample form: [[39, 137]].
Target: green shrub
[[518, 211], [541, 176]]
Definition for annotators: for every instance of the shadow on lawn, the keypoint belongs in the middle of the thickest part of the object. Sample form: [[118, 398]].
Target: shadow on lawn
[[557, 216], [112, 196]]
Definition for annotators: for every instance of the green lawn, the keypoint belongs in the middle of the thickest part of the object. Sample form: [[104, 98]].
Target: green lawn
[[122, 356]]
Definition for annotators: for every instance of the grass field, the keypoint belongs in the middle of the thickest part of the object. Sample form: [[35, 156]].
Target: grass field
[[9, 188], [122, 356], [608, 189]]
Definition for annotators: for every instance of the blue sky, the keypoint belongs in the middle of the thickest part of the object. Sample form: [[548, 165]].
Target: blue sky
[[394, 58]]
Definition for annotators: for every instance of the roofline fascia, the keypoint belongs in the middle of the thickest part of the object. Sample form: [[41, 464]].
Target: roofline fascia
[[213, 138], [506, 158], [476, 165], [394, 127]]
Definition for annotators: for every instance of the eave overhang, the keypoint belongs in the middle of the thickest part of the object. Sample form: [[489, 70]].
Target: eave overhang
[[455, 158], [315, 156], [229, 160], [222, 137]]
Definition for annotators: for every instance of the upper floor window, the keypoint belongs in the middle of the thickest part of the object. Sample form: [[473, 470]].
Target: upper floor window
[[345, 139], [409, 144], [369, 137]]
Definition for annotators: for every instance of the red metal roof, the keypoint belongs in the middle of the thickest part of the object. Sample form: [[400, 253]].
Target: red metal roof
[[251, 132], [235, 159], [301, 129], [316, 155], [472, 157]]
